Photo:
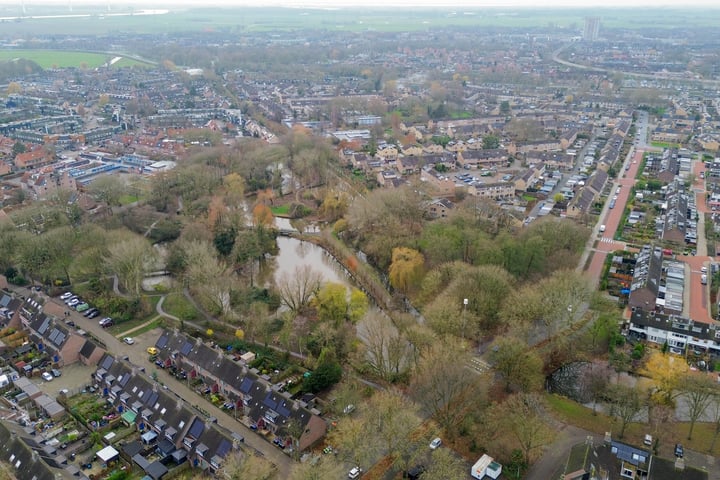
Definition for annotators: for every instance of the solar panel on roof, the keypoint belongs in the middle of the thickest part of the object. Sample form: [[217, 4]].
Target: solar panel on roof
[[44, 326], [162, 341], [246, 385], [283, 410], [60, 338], [186, 348], [223, 448], [107, 363], [269, 401], [53, 335], [152, 398], [5, 300], [196, 429]]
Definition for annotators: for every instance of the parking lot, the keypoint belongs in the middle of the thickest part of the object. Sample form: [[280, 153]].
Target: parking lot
[[74, 377]]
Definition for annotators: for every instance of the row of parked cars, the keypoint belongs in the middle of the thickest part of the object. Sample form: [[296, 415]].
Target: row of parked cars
[[76, 302]]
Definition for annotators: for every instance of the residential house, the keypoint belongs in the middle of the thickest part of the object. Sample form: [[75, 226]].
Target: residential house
[[647, 278], [552, 160], [495, 190], [33, 159], [441, 184], [439, 208], [529, 177], [9, 309], [482, 158], [613, 460], [386, 178], [25, 459], [433, 149], [675, 225], [708, 142], [168, 423], [680, 333], [408, 165], [262, 402], [64, 345], [412, 150], [568, 138], [581, 203], [444, 161], [597, 181], [548, 145], [387, 151]]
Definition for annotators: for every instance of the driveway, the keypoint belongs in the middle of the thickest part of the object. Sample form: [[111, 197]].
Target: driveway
[[138, 356]]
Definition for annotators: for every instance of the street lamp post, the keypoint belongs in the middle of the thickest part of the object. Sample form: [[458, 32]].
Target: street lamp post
[[465, 304]]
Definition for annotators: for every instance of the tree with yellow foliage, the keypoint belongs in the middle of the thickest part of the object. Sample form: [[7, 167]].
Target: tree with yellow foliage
[[667, 372], [13, 87], [406, 268]]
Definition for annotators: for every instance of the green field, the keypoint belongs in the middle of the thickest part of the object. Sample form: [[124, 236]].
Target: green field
[[250, 20], [57, 58]]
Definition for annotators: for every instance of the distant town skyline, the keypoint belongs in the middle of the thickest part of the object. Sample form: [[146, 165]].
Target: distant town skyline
[[332, 4]]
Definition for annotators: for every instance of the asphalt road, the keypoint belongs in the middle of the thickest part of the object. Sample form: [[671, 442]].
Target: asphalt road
[[137, 355]]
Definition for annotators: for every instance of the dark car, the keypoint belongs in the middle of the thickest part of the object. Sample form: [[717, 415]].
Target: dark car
[[89, 312], [415, 472], [94, 314], [679, 452]]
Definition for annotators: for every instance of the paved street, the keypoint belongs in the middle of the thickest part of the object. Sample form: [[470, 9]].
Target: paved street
[[610, 217]]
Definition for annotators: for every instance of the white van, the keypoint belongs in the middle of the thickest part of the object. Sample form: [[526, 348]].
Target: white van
[[602, 228]]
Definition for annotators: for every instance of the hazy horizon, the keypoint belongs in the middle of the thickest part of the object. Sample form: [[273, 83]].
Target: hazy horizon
[[338, 4]]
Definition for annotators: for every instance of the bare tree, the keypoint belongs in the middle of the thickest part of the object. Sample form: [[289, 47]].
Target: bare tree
[[129, 259], [297, 290], [625, 404], [444, 389], [522, 416], [698, 391], [387, 350], [445, 465]]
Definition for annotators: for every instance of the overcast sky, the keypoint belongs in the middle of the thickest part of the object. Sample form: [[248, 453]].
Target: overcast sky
[[455, 4]]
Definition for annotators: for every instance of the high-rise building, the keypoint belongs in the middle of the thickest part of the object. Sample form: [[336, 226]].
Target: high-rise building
[[592, 29]]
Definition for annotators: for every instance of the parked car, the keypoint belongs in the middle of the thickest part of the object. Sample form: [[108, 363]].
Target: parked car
[[81, 307], [354, 472], [106, 322], [55, 372], [94, 314], [66, 295], [679, 451], [152, 350], [47, 376], [129, 340], [416, 472], [73, 301], [89, 311], [437, 441]]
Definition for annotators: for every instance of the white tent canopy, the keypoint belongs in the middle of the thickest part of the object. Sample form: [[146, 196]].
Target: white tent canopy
[[107, 454]]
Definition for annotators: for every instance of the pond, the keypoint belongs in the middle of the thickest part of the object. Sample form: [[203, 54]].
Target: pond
[[294, 253]]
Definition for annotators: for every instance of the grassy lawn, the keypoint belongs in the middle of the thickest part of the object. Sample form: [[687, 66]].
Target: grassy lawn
[[119, 328], [128, 199], [177, 305], [280, 210], [665, 145], [573, 413], [156, 323], [57, 58]]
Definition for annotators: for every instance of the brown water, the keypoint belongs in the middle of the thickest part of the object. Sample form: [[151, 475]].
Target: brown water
[[294, 253]]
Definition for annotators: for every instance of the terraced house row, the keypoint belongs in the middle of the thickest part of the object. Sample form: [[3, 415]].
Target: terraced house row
[[256, 399]]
